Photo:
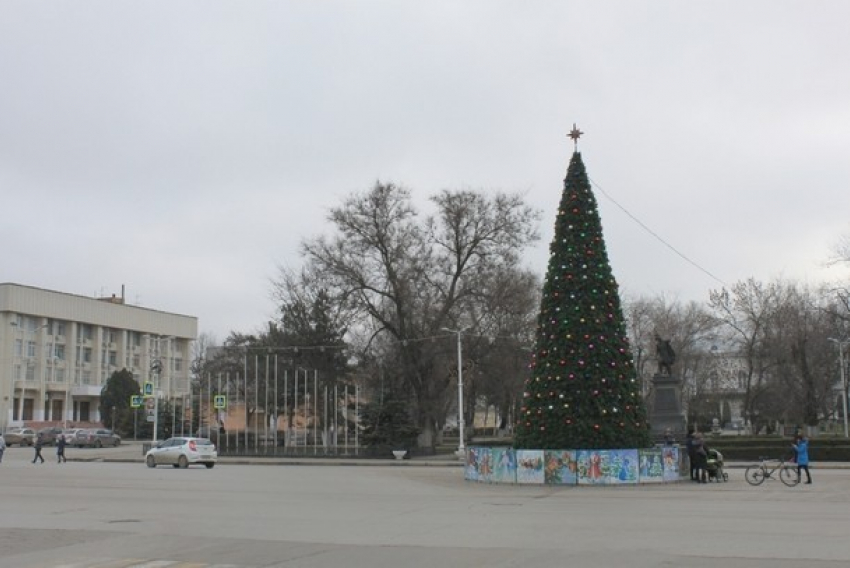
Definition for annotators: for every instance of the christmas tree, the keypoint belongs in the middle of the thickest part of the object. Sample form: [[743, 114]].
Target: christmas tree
[[583, 391]]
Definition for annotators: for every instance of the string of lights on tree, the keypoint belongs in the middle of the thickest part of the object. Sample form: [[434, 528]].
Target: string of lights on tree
[[583, 390]]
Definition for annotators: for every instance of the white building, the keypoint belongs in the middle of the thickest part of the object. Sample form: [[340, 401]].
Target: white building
[[57, 351]]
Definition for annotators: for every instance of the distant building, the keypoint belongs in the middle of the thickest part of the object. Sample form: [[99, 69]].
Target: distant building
[[57, 351]]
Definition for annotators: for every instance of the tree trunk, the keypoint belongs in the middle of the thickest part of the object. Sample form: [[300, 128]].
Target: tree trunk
[[427, 436]]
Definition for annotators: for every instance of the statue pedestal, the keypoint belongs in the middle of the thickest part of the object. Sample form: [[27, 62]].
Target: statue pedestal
[[667, 408]]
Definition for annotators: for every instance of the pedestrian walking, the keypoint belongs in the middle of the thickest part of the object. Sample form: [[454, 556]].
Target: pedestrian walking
[[39, 442], [2, 447], [801, 450], [60, 448]]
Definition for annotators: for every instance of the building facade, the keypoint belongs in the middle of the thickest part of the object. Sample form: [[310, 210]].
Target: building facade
[[58, 350]]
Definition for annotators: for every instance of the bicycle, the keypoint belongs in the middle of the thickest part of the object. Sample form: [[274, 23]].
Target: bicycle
[[756, 474]]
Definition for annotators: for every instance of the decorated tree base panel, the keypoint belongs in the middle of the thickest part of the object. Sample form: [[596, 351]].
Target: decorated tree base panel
[[576, 467]]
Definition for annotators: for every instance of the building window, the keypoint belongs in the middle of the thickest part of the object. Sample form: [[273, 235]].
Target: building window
[[30, 372], [178, 365], [84, 331], [137, 361], [56, 327], [19, 347], [60, 375], [59, 351], [32, 324], [86, 377], [30, 348], [86, 354], [113, 358]]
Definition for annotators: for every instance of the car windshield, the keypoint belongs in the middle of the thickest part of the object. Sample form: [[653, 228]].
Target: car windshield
[[204, 442]]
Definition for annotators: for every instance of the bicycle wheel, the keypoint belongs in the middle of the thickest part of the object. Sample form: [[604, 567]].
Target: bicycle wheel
[[754, 475], [788, 475]]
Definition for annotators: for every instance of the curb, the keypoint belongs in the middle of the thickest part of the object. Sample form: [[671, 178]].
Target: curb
[[295, 462]]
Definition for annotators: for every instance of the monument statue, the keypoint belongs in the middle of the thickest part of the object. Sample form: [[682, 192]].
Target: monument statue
[[666, 356], [667, 421]]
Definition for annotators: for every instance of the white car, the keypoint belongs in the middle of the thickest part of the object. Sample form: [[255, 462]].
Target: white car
[[182, 452]]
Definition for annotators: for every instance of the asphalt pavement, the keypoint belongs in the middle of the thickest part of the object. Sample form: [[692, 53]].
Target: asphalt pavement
[[105, 509]]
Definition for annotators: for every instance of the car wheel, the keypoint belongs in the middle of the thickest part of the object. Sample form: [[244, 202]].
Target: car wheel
[[151, 461], [175, 466], [183, 462], [209, 465]]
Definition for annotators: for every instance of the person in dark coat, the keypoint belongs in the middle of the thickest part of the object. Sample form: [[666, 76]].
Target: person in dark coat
[[60, 448], [39, 442], [692, 459], [700, 459]]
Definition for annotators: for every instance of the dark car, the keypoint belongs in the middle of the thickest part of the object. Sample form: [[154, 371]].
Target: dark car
[[79, 439], [49, 435], [95, 438]]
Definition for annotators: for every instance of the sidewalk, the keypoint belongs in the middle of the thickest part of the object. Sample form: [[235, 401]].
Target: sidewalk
[[131, 451]]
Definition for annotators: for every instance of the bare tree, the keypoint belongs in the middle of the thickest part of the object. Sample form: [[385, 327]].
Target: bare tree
[[798, 341], [747, 311], [407, 278], [509, 306]]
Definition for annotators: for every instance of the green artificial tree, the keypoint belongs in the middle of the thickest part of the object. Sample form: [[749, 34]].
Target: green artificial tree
[[583, 391]]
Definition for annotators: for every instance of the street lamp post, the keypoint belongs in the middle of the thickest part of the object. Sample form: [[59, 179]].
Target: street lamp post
[[841, 344], [461, 449]]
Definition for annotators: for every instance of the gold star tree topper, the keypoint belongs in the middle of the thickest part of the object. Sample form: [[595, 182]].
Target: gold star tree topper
[[575, 133]]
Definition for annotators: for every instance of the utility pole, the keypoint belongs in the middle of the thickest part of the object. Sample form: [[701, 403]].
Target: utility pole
[[461, 449]]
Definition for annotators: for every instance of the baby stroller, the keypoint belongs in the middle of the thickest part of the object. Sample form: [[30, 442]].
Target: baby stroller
[[714, 466]]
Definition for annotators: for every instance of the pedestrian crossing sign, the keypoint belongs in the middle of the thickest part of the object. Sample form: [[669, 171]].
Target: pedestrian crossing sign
[[219, 402], [136, 401], [148, 389]]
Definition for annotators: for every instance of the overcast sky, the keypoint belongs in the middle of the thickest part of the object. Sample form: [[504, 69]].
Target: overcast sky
[[183, 149]]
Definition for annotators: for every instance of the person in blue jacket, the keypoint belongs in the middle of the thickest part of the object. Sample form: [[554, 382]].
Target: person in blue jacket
[[801, 447]]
